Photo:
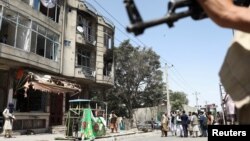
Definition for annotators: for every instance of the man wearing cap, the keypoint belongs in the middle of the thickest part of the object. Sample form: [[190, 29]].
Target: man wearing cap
[[8, 117]]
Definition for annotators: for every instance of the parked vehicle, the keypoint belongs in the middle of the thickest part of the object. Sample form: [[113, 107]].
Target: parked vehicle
[[146, 125]]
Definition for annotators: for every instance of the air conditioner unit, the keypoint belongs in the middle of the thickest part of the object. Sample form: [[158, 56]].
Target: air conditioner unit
[[49, 3], [93, 73], [94, 43]]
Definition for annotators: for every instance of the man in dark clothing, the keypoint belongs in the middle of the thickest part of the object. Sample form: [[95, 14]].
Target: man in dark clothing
[[152, 123], [203, 124], [184, 123]]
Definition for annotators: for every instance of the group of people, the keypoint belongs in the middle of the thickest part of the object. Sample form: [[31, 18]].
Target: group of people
[[115, 123], [192, 124]]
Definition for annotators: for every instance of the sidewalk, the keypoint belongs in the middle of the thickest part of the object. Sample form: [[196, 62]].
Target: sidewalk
[[51, 137]]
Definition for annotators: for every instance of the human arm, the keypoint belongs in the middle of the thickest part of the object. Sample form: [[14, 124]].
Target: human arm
[[226, 14]]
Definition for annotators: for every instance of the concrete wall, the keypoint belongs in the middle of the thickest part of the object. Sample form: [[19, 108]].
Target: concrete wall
[[22, 56], [69, 51], [188, 108], [144, 114], [101, 50]]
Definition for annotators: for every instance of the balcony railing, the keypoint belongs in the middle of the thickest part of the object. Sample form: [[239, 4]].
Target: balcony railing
[[87, 32], [88, 72]]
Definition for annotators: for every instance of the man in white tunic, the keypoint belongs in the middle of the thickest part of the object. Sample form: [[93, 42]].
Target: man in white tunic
[[230, 109], [8, 120]]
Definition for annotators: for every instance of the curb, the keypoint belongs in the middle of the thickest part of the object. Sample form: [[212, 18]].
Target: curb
[[124, 136], [117, 135]]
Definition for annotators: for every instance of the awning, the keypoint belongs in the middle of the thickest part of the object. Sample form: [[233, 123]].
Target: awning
[[50, 83]]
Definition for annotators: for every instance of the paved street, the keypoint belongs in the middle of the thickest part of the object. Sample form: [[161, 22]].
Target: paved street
[[157, 137], [150, 136]]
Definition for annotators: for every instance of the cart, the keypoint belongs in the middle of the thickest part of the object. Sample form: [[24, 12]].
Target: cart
[[86, 119]]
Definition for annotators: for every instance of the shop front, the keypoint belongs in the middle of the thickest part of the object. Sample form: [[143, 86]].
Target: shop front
[[39, 100]]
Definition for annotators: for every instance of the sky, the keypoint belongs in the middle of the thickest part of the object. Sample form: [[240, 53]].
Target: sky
[[193, 50]]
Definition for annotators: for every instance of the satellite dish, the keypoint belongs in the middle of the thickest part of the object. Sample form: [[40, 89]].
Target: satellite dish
[[49, 3], [80, 29]]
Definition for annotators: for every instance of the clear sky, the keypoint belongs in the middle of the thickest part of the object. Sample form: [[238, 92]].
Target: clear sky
[[196, 49]]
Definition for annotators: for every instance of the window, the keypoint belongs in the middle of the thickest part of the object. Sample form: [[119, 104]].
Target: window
[[50, 9], [85, 27], [44, 42], [83, 57], [40, 45], [49, 46], [23, 33], [107, 68], [36, 4], [33, 38], [8, 27], [107, 38]]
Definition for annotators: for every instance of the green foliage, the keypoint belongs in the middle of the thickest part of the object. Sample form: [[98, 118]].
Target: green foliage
[[177, 99], [138, 80]]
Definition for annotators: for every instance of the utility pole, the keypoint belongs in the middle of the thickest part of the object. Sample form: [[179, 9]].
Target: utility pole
[[196, 100], [167, 89], [206, 105]]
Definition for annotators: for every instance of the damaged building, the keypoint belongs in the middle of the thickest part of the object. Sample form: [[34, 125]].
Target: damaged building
[[51, 52]]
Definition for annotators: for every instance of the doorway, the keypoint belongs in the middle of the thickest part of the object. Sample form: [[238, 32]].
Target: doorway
[[56, 109]]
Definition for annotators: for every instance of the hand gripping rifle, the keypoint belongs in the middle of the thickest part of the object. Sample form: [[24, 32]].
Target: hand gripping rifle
[[194, 10]]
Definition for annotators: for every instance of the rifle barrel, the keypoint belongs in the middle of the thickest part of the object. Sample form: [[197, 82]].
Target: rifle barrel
[[139, 27]]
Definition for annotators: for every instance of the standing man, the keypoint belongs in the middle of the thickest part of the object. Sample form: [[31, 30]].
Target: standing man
[[203, 124], [230, 109], [113, 122], [152, 124], [8, 120], [164, 123], [173, 123], [184, 123]]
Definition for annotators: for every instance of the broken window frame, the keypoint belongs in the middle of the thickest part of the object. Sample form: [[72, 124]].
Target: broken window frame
[[85, 58], [34, 29], [88, 28], [37, 5], [107, 38]]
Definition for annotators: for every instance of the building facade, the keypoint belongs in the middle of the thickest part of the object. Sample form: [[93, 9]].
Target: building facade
[[51, 52]]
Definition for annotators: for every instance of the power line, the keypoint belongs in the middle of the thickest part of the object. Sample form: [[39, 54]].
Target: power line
[[179, 76], [137, 39], [180, 79], [177, 83], [118, 23], [183, 79]]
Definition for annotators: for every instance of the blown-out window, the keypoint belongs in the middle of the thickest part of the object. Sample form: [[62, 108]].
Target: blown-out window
[[83, 57], [86, 28], [8, 27], [50, 8], [44, 42], [107, 38], [19, 31], [23, 33]]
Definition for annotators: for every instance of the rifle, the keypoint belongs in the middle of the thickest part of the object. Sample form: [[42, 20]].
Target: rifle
[[194, 10]]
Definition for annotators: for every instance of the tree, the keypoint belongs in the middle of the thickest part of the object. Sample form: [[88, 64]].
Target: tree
[[138, 80], [177, 99]]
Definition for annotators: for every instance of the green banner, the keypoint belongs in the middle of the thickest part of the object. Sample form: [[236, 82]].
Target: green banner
[[87, 125]]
